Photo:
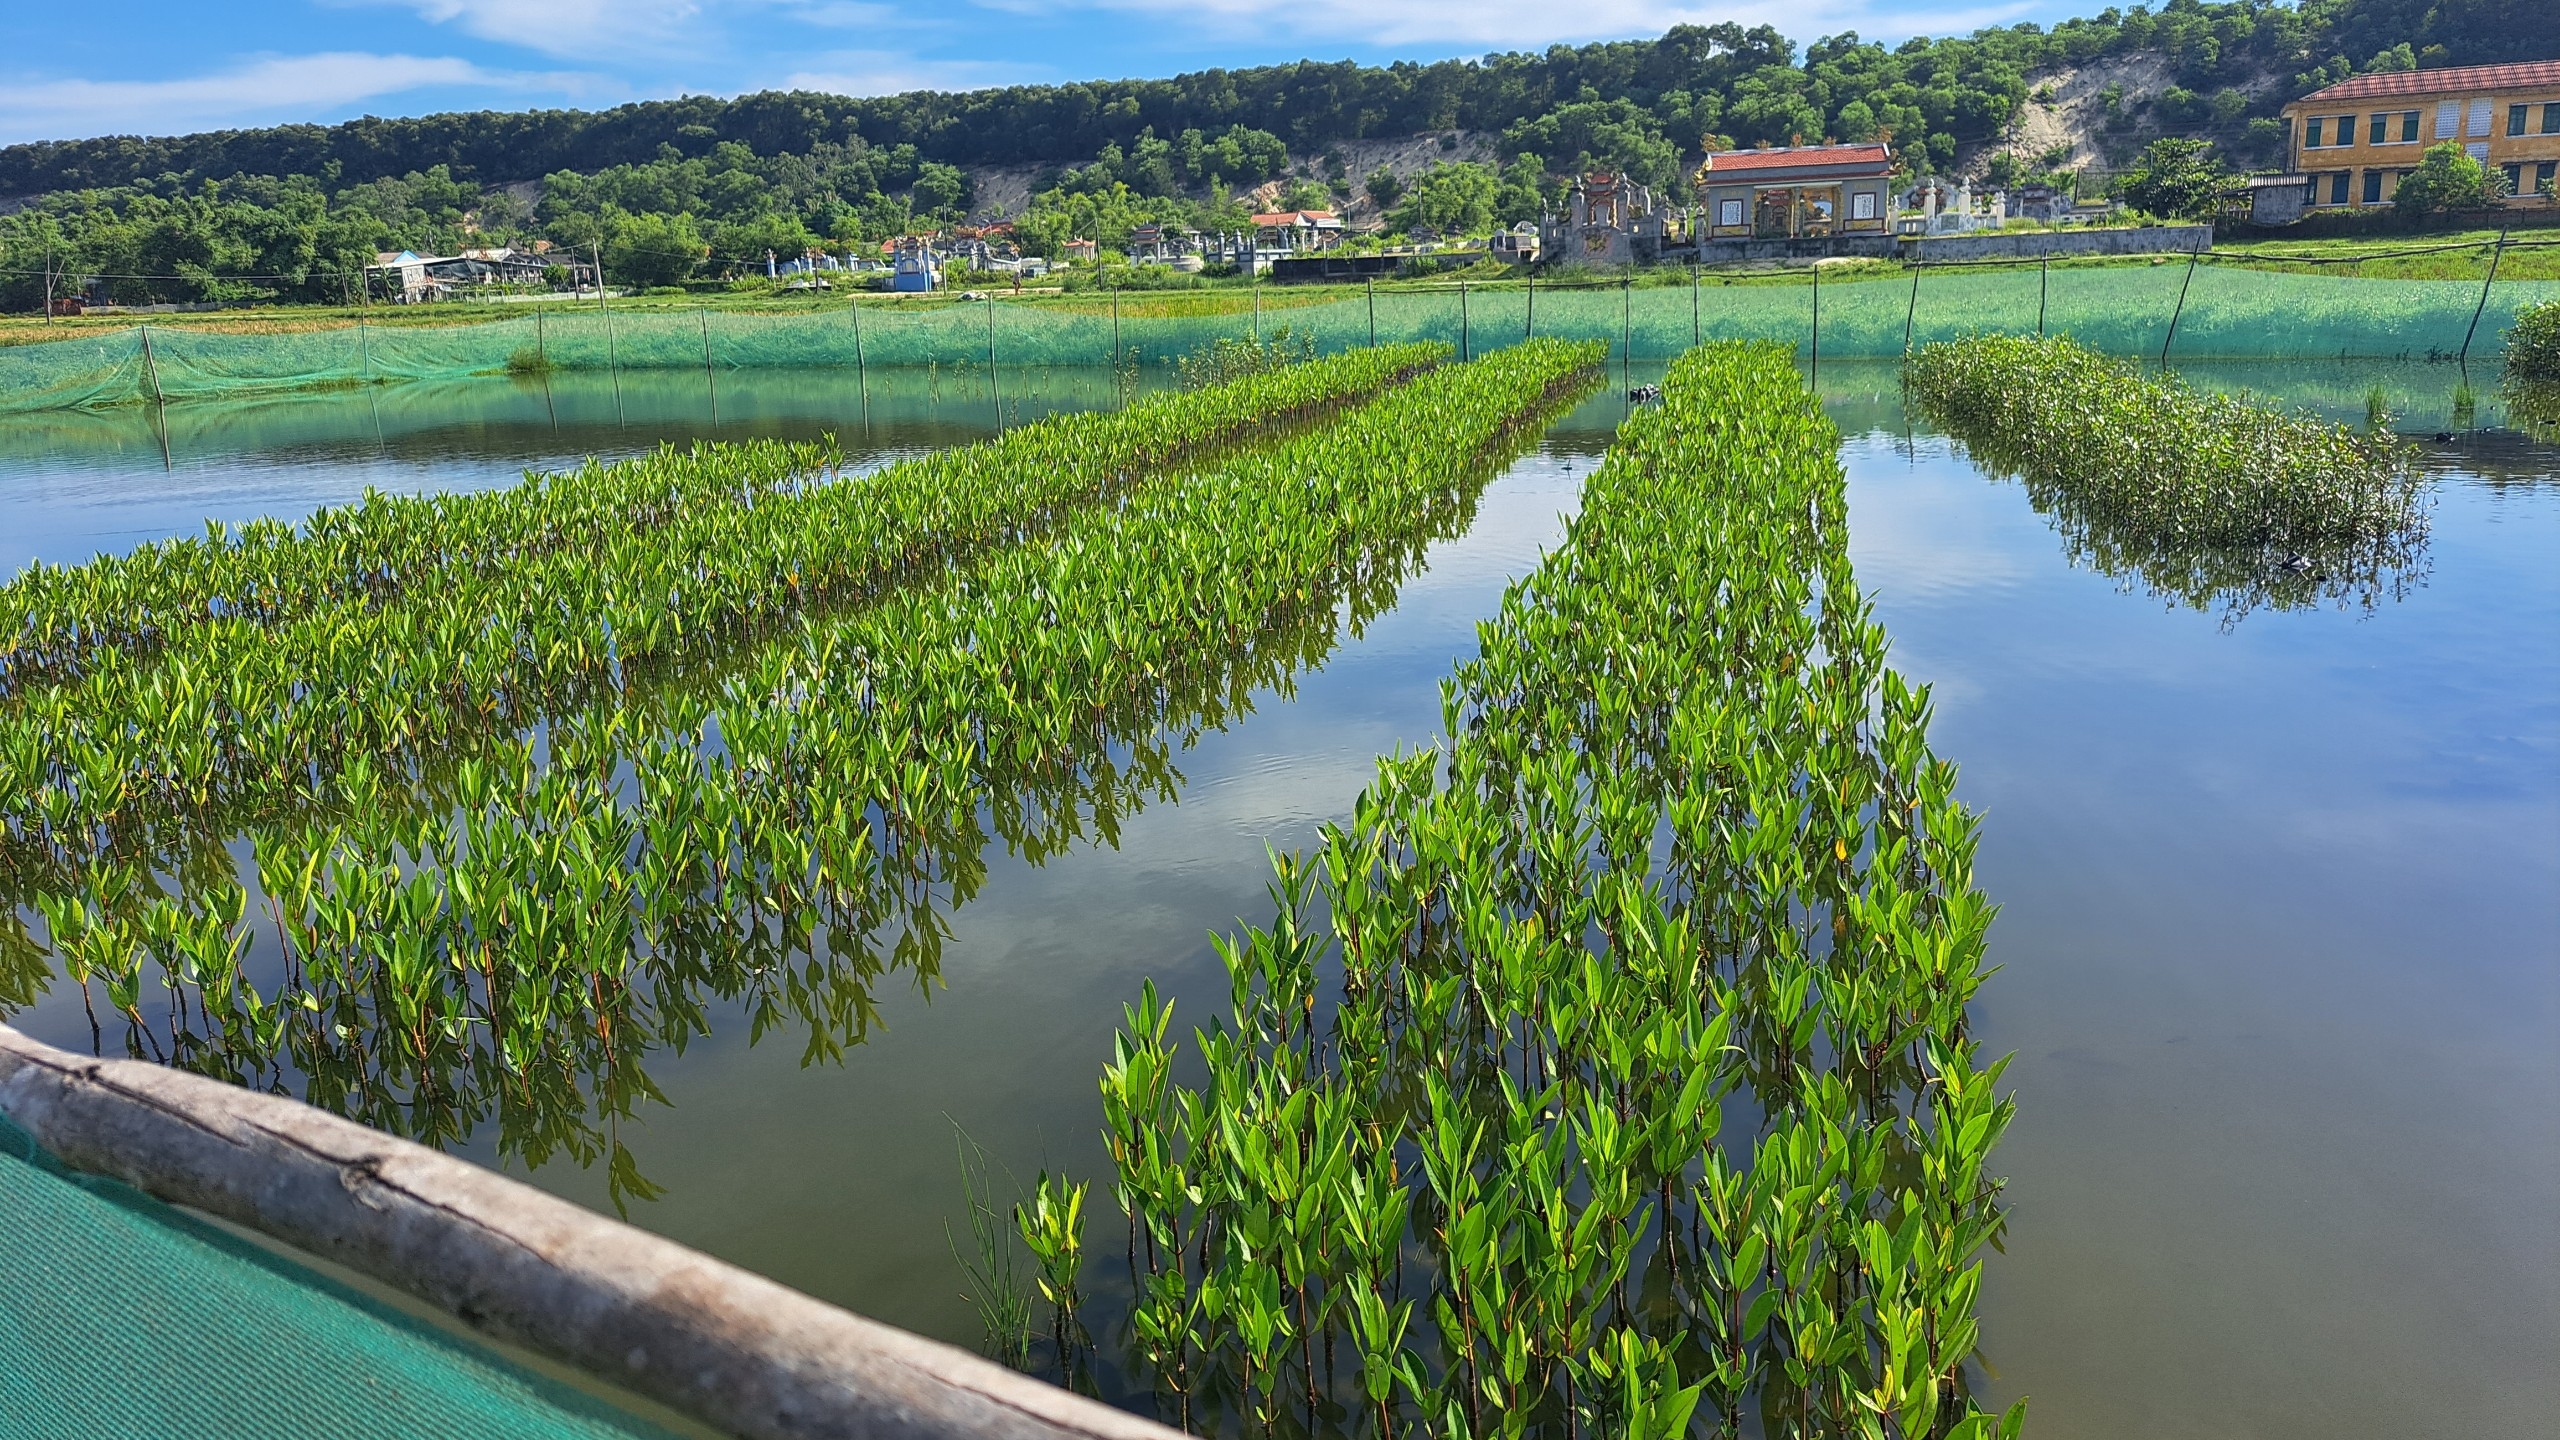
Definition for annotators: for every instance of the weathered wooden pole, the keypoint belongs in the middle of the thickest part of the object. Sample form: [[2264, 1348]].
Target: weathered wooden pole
[[746, 1356]]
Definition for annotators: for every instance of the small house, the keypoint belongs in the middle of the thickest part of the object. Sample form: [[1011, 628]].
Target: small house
[[1796, 192]]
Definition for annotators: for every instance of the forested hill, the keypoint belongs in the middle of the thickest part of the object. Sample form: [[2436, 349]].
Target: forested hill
[[1696, 81]]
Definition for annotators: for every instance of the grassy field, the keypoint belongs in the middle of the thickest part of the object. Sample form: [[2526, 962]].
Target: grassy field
[[2459, 256]]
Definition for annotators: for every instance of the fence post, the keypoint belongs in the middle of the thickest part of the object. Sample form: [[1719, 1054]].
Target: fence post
[[1914, 310], [994, 395], [2496, 253], [160, 400], [862, 373], [151, 369], [612, 359], [2165, 341], [702, 313], [1627, 330]]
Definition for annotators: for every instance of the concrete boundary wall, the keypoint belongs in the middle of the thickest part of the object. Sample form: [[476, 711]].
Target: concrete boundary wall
[[2031, 244], [741, 1353]]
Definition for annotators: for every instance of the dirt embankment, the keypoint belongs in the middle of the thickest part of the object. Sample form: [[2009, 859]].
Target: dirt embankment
[[2070, 120]]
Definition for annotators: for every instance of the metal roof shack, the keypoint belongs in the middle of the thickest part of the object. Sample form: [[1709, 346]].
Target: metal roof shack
[[1796, 191]]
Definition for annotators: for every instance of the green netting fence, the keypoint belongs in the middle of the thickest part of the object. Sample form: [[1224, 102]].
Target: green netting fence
[[2218, 312], [124, 1319]]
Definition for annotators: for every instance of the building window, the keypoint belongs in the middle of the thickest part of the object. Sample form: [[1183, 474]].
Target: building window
[[2311, 133], [2479, 118], [2515, 179], [1862, 206], [2448, 119], [2477, 150], [2409, 127], [1728, 212], [2542, 176], [2551, 119], [2346, 129], [2373, 187], [2377, 131], [2338, 188], [2515, 119]]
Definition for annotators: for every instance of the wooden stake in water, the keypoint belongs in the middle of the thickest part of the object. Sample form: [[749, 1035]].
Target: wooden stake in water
[[2192, 257], [1817, 319], [1914, 310], [1257, 308], [2496, 252], [1693, 302], [1529, 326], [1373, 312], [1115, 348], [2044, 266], [1464, 352]]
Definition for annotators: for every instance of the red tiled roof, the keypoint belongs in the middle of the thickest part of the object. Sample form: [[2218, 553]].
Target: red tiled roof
[[1788, 157], [1293, 217], [2529, 75]]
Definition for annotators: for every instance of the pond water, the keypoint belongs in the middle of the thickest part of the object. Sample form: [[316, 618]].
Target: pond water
[[2280, 889]]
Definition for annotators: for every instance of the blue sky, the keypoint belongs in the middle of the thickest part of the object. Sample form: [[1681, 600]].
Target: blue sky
[[172, 66]]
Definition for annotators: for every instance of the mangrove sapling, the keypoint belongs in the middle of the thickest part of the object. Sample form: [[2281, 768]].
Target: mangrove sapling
[[2208, 499], [2533, 344], [202, 675], [512, 936], [1664, 862]]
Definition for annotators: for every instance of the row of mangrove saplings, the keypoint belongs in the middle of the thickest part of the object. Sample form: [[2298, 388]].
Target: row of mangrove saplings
[[247, 667], [508, 932], [2207, 499], [1608, 1073]]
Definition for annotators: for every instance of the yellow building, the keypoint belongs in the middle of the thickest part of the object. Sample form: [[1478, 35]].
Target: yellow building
[[2353, 141]]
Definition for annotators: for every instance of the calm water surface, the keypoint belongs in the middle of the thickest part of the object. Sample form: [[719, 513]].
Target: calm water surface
[[2280, 936]]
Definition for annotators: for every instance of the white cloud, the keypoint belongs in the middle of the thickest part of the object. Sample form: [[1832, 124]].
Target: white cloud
[[262, 90], [569, 28], [886, 72], [1533, 24]]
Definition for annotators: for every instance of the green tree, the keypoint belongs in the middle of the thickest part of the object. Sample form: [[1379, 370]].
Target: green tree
[[1596, 134], [745, 243], [649, 250], [1454, 199], [2177, 178], [2446, 179], [942, 189]]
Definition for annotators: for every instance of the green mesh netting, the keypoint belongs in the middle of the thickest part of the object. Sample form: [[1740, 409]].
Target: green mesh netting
[[123, 1319], [2228, 313]]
